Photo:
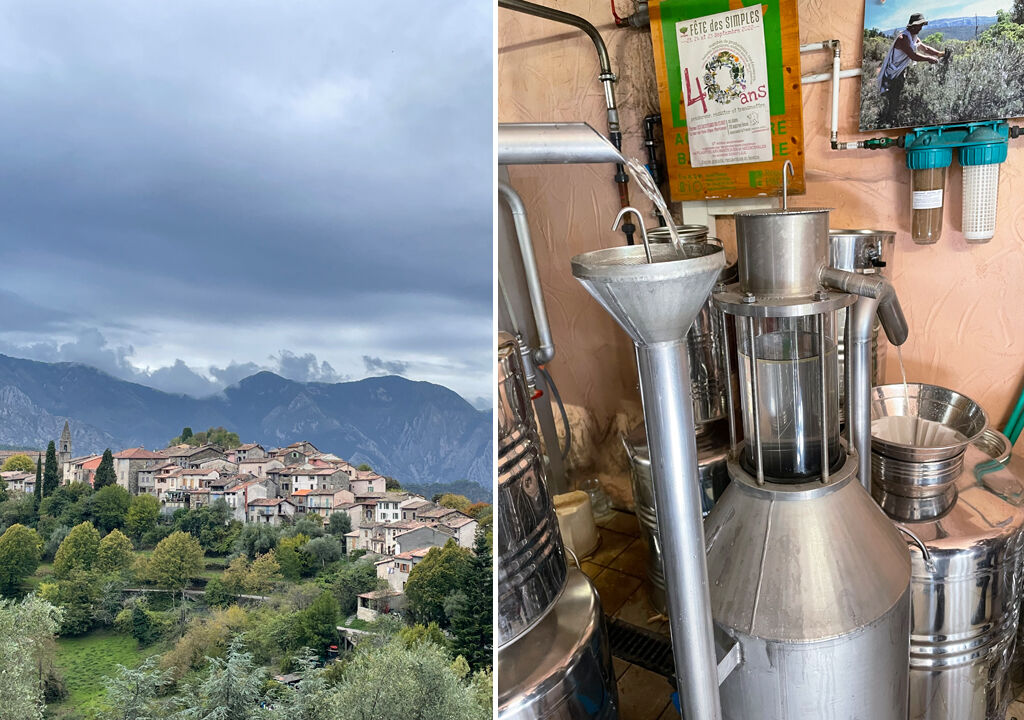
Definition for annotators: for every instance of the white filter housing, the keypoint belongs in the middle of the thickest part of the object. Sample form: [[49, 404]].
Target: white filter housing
[[981, 191]]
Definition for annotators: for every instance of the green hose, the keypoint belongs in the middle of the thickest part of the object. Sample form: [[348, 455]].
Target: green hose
[[1014, 425]]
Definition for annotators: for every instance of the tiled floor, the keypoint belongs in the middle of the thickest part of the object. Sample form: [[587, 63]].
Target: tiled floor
[[619, 573], [617, 569]]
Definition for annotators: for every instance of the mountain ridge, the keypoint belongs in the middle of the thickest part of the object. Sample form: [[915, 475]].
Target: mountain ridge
[[415, 431]]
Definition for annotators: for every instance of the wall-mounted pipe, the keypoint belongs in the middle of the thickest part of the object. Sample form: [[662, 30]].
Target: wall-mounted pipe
[[607, 78], [553, 144], [546, 350]]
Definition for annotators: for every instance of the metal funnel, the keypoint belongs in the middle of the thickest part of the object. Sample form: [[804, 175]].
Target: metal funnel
[[654, 302]]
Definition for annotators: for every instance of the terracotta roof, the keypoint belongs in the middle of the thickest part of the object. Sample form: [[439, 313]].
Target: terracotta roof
[[302, 492], [354, 533], [417, 553], [249, 446], [269, 502], [458, 522], [139, 453], [92, 464]]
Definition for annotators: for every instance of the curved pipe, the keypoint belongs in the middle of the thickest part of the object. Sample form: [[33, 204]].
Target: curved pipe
[[889, 311], [546, 351], [858, 383]]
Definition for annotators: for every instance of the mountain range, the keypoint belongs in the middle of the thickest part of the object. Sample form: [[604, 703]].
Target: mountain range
[[958, 28], [416, 432]]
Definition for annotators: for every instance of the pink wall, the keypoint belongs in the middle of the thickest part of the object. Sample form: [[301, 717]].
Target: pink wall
[[962, 301]]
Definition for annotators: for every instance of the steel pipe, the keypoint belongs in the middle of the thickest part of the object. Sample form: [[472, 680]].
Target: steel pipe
[[890, 313], [860, 324], [668, 413], [546, 350], [553, 144]]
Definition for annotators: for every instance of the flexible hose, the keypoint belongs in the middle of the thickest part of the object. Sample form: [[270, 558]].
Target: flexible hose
[[561, 408], [1013, 426]]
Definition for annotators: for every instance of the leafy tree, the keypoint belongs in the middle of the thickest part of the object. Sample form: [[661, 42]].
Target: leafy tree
[[51, 473], [232, 689], [211, 525], [132, 694], [115, 554], [142, 515], [472, 624], [78, 551], [352, 580], [319, 622], [392, 682], [323, 550], [105, 475], [110, 507], [78, 594], [69, 504], [218, 594], [186, 435], [18, 509], [293, 563], [20, 549], [309, 699], [1018, 12], [175, 561], [27, 629], [18, 463], [53, 542], [264, 574], [339, 523], [3, 490], [256, 539], [311, 527], [413, 635], [443, 572], [142, 624], [213, 436], [391, 485], [39, 480], [455, 502], [364, 467]]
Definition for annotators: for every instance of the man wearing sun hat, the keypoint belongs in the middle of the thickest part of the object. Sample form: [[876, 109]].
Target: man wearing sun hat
[[907, 47]]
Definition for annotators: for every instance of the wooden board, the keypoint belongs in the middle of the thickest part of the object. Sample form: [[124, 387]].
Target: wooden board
[[782, 45]]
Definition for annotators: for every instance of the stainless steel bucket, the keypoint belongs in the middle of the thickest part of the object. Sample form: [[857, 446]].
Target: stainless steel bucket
[[531, 562], [712, 457], [562, 668]]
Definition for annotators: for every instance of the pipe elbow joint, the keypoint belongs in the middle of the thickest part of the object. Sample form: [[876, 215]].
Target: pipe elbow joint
[[890, 313]]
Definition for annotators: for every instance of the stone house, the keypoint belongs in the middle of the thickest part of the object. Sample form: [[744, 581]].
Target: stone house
[[379, 602], [272, 511], [74, 469], [239, 495], [187, 456], [424, 536], [396, 569], [367, 481], [127, 464], [463, 527], [248, 451], [258, 467], [413, 505]]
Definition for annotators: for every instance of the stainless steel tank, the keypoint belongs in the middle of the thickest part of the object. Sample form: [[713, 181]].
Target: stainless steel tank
[[531, 562], [561, 669], [962, 506], [712, 457], [867, 252], [705, 341]]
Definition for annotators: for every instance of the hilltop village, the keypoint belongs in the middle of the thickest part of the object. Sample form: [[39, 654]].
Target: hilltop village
[[278, 486]]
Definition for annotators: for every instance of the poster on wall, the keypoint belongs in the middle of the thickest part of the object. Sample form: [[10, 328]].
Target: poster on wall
[[729, 89], [725, 75], [935, 62]]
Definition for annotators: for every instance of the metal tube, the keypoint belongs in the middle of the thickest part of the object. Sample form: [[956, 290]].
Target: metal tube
[[858, 386], [834, 136], [824, 399], [552, 144], [668, 413], [754, 404], [546, 350], [890, 313], [730, 401]]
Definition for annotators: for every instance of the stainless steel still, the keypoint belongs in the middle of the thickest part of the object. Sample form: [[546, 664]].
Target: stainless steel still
[[561, 669], [712, 457], [654, 294], [807, 574], [866, 252], [962, 508], [531, 562]]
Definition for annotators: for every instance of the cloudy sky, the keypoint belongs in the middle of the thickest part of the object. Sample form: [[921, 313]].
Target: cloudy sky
[[894, 14], [193, 191]]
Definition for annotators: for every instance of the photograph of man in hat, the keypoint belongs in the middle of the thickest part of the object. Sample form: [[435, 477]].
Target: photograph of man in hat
[[906, 47]]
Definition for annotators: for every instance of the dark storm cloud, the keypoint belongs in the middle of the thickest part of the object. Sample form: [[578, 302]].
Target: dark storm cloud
[[376, 366], [233, 166]]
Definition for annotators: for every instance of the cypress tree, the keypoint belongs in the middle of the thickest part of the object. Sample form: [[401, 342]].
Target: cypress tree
[[39, 479], [50, 471], [105, 474], [471, 625]]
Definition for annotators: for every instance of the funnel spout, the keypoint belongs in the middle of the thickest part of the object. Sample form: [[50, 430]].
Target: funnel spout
[[553, 144], [890, 313]]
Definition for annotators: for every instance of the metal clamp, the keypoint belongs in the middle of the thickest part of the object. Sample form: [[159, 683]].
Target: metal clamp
[[640, 222]]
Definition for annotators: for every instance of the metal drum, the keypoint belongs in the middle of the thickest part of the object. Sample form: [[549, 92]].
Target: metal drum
[[531, 563], [865, 252], [561, 669], [705, 342], [962, 512], [712, 455]]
